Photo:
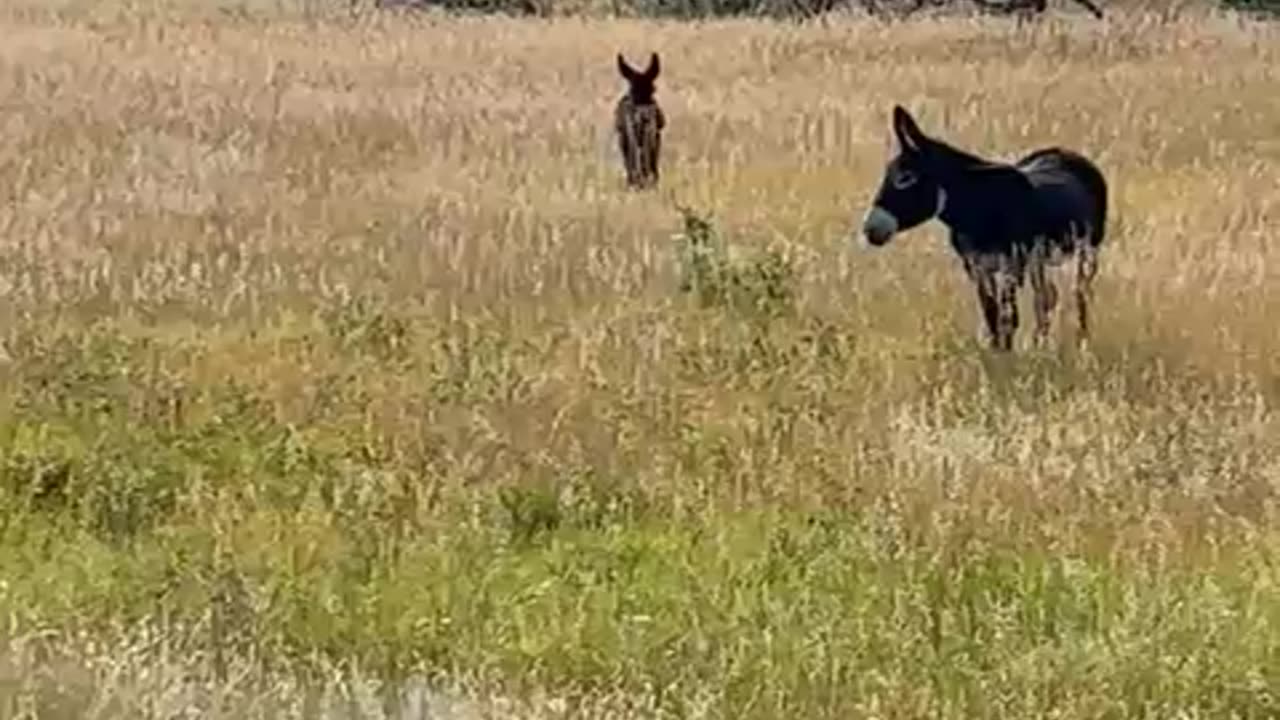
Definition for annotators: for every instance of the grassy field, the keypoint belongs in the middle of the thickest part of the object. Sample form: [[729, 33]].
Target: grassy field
[[340, 376]]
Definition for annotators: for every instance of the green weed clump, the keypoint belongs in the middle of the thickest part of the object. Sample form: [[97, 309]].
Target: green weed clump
[[762, 285]]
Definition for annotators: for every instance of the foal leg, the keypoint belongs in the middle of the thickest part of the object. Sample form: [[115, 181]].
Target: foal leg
[[651, 152], [630, 156], [1086, 269]]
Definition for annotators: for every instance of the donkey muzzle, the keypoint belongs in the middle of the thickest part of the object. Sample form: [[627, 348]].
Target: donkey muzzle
[[879, 226]]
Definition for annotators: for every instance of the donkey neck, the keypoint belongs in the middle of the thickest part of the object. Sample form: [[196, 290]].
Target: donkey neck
[[990, 199], [643, 97]]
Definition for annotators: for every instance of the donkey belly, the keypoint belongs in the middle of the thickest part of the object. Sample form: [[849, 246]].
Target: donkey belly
[[983, 261]]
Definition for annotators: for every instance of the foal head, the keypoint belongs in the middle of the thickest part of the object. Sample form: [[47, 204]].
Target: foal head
[[641, 84], [910, 191]]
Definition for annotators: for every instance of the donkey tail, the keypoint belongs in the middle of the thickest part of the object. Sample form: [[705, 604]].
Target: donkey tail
[[1085, 172], [1096, 182]]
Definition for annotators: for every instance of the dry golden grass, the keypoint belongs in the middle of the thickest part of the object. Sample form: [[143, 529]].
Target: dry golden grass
[[399, 249]]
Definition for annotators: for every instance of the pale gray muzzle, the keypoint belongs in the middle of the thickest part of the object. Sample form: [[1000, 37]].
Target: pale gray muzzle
[[879, 226]]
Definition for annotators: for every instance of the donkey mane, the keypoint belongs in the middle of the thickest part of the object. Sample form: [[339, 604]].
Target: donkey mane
[[963, 158]]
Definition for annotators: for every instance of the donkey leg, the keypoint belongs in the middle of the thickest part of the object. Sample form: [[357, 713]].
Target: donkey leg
[[1046, 295], [1086, 269], [627, 146], [985, 283], [986, 287], [1007, 300], [648, 166], [655, 151]]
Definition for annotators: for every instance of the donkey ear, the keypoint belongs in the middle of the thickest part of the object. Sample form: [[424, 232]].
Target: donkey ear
[[625, 70], [655, 67], [908, 132]]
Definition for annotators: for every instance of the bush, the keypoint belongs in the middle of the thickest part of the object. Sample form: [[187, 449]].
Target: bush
[[682, 9], [793, 9], [1267, 7], [761, 285], [511, 7]]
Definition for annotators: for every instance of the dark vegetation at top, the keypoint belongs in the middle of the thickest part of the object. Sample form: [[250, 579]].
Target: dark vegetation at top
[[798, 9]]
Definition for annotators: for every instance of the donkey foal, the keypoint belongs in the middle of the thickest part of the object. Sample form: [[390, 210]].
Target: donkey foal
[[639, 123], [1006, 221]]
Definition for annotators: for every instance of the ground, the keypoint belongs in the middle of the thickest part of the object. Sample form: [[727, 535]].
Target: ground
[[339, 368]]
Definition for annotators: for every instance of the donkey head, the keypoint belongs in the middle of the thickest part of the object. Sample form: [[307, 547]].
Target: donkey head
[[910, 193], [641, 83], [639, 123]]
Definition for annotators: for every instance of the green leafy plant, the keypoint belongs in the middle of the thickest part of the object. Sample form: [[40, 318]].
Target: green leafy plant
[[762, 285]]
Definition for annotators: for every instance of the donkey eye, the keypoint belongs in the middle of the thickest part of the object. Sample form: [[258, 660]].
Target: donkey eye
[[904, 179]]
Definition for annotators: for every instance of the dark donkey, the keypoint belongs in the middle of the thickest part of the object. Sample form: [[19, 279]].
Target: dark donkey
[[1006, 220], [639, 123]]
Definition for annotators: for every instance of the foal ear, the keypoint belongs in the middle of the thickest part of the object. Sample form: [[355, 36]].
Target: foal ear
[[908, 132], [625, 70], [655, 67]]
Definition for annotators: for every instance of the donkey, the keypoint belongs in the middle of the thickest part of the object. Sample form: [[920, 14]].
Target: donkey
[[639, 123], [1006, 221]]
